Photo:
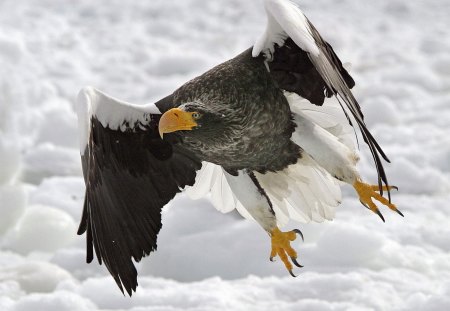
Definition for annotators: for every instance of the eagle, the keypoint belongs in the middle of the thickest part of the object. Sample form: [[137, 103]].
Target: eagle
[[266, 133]]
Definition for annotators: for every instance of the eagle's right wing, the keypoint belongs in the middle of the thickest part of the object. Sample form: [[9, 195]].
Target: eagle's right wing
[[130, 174]]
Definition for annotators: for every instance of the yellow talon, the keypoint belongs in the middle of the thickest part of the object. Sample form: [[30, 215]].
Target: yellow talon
[[281, 247], [368, 192]]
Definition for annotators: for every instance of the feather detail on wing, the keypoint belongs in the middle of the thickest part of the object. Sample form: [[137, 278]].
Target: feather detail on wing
[[303, 192], [306, 191], [130, 174], [211, 183], [286, 22], [329, 116], [110, 112]]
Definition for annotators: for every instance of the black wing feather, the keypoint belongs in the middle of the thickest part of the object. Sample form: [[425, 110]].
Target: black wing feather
[[316, 78], [130, 175], [326, 64], [294, 72]]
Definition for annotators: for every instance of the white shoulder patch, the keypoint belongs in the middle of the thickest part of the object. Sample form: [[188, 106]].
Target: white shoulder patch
[[111, 112], [285, 19]]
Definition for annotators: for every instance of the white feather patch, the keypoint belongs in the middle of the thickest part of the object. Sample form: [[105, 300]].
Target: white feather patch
[[329, 116], [325, 148], [285, 19], [211, 182], [303, 192], [111, 112]]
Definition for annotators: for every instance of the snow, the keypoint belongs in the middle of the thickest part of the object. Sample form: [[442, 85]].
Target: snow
[[139, 51]]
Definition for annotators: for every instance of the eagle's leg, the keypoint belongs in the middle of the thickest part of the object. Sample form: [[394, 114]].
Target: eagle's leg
[[253, 197], [338, 160], [281, 247], [367, 193]]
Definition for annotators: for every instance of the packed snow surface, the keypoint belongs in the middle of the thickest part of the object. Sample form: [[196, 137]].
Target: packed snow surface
[[140, 51]]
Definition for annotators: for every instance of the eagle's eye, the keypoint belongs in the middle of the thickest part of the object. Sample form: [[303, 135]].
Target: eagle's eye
[[196, 115]]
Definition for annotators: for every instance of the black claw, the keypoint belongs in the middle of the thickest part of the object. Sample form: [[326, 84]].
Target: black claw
[[292, 273], [395, 187], [271, 259], [400, 213], [299, 233], [381, 215], [294, 261]]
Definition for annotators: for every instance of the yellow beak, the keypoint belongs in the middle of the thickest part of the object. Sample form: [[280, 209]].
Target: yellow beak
[[174, 120]]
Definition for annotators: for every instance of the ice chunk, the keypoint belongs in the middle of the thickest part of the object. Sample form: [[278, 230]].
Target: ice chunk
[[12, 204], [42, 228], [10, 161], [34, 276], [58, 301]]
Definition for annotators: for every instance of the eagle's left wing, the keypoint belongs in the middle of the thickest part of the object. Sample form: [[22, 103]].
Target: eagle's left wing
[[302, 62]]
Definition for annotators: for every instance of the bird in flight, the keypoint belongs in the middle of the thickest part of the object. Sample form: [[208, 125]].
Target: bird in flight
[[268, 133]]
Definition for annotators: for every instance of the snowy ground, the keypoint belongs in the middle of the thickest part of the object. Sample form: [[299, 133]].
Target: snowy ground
[[140, 51]]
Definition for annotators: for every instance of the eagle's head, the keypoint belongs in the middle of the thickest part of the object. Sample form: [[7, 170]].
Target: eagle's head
[[193, 119]]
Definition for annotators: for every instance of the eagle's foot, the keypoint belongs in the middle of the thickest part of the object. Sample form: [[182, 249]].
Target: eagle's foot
[[281, 247], [366, 192]]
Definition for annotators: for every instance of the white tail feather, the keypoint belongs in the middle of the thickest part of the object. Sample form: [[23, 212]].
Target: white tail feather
[[303, 192], [211, 182]]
